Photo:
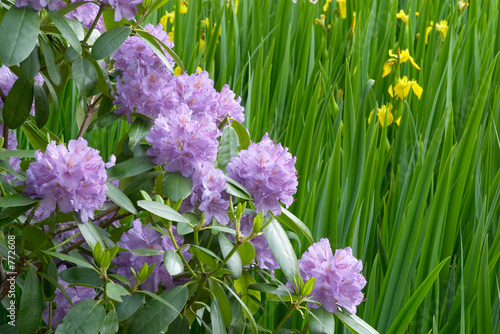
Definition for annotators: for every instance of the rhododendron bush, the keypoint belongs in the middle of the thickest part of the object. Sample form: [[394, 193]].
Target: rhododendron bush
[[185, 226]]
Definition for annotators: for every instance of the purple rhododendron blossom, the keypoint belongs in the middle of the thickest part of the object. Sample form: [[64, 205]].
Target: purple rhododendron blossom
[[228, 106], [73, 178], [124, 8], [338, 277], [141, 237], [36, 4], [209, 184], [86, 15], [181, 143], [267, 171], [76, 293], [14, 162]]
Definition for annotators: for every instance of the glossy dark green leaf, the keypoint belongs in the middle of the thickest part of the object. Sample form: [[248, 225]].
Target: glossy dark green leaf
[[207, 256], [42, 108], [355, 324], [85, 317], [173, 263], [16, 200], [111, 324], [85, 76], [109, 42], [48, 288], [179, 325], [295, 224], [216, 317], [30, 308], [155, 316], [138, 131], [175, 186], [282, 249], [66, 30], [224, 305], [52, 68], [131, 167], [34, 137], [229, 144], [18, 103], [243, 136], [321, 321], [18, 35], [31, 65], [129, 305], [72, 259], [272, 288], [115, 291], [120, 199], [247, 253], [162, 210], [234, 263], [79, 275]]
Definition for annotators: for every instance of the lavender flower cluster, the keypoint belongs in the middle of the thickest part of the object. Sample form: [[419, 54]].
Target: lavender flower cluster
[[73, 178], [338, 277], [267, 171], [140, 237]]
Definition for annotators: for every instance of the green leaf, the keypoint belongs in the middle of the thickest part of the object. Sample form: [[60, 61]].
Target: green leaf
[[79, 275], [242, 285], [295, 224], [173, 263], [16, 200], [66, 30], [110, 324], [225, 306], [115, 291], [48, 289], [37, 141], [484, 310], [31, 65], [229, 144], [175, 186], [52, 68], [272, 288], [152, 42], [109, 42], [206, 255], [400, 324], [70, 258], [85, 76], [18, 35], [355, 324], [120, 199], [162, 210], [155, 316], [131, 167], [234, 263], [42, 108], [30, 308], [216, 317], [321, 321], [138, 131], [129, 305], [282, 249], [86, 317], [17, 153], [247, 253], [146, 252], [236, 189], [18, 103], [243, 136], [91, 234]]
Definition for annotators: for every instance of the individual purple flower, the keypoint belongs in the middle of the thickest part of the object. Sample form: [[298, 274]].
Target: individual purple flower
[[76, 293], [124, 8], [73, 178], [182, 143], [141, 237], [209, 184], [36, 4], [267, 171], [14, 162], [264, 258], [228, 106], [338, 277]]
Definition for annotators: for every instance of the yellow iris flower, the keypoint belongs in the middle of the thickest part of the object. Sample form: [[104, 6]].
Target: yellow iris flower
[[166, 17], [205, 22], [402, 16], [327, 4], [402, 88], [462, 5], [184, 7], [442, 27], [384, 114], [342, 8], [228, 4], [403, 57], [321, 20]]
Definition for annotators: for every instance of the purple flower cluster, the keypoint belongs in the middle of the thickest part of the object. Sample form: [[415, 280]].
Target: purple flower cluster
[[181, 143], [145, 81], [267, 171], [86, 14], [40, 4], [140, 237], [124, 8], [76, 293], [73, 178], [338, 277], [209, 184], [264, 258]]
